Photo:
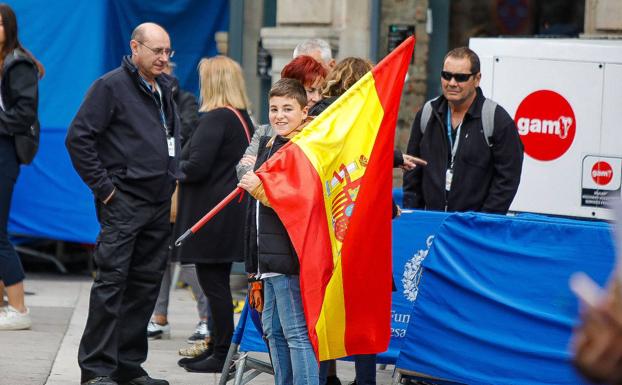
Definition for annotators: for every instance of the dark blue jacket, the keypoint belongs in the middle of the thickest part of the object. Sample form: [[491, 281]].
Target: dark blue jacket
[[117, 138], [485, 177], [19, 92]]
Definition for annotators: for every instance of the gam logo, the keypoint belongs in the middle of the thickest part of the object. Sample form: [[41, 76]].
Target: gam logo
[[546, 125]]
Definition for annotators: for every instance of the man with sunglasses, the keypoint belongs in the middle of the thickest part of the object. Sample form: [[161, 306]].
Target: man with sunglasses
[[124, 144], [471, 144]]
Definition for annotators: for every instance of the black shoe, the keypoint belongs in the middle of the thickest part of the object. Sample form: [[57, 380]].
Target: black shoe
[[209, 365], [184, 361], [333, 380], [145, 380], [100, 381]]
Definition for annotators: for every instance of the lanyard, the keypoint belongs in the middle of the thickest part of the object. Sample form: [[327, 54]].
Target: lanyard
[[454, 146], [153, 91]]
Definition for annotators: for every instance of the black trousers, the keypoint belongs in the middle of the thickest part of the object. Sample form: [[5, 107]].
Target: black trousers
[[11, 271], [130, 256], [214, 280]]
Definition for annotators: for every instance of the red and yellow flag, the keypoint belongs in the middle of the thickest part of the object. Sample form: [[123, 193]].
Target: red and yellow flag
[[331, 188]]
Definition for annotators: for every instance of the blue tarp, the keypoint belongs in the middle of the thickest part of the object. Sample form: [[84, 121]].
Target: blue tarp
[[494, 305], [78, 41]]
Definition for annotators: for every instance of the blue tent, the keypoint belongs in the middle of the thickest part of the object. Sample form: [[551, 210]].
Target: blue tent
[[78, 41]]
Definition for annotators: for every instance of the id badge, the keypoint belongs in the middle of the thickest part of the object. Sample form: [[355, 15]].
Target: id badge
[[449, 175], [171, 146]]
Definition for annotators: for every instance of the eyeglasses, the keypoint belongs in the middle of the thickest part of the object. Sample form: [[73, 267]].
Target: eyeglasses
[[158, 51], [460, 78]]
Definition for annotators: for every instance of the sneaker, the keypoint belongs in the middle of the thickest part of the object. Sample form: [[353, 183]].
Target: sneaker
[[156, 331], [11, 319], [193, 351], [199, 333]]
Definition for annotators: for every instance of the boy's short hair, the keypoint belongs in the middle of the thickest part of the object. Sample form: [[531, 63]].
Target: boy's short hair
[[289, 88]]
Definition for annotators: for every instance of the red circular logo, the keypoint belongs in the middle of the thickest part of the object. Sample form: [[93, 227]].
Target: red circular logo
[[602, 173], [546, 124]]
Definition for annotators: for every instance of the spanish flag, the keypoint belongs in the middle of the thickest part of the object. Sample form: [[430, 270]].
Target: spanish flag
[[331, 187]]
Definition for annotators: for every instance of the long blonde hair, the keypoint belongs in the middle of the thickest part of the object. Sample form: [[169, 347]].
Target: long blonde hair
[[222, 84]]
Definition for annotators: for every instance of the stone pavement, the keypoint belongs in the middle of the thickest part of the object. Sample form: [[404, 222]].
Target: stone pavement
[[47, 354]]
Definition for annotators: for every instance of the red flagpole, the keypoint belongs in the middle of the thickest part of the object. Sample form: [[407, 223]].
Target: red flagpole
[[197, 226]]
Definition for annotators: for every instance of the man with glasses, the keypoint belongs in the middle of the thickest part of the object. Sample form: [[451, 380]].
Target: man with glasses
[[471, 144], [124, 144]]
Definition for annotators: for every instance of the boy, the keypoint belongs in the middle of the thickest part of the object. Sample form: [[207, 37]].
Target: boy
[[272, 255]]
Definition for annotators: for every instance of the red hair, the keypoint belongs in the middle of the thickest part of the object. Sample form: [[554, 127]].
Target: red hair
[[305, 69]]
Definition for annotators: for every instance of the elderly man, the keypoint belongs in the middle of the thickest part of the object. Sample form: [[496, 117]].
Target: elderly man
[[471, 144], [124, 143], [319, 50]]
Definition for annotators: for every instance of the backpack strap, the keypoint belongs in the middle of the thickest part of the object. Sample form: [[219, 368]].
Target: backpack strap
[[244, 124], [426, 113], [488, 119]]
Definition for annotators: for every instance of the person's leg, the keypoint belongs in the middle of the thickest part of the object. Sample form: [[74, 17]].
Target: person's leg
[[279, 352], [160, 312], [99, 347], [15, 296], [331, 377], [190, 275], [11, 270], [202, 303], [214, 280], [323, 372], [289, 305], [365, 368], [143, 284]]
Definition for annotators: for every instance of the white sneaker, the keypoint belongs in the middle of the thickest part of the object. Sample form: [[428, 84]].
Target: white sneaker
[[11, 319], [156, 331], [199, 333]]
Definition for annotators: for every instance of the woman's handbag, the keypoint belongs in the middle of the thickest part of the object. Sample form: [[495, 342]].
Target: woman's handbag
[[27, 144]]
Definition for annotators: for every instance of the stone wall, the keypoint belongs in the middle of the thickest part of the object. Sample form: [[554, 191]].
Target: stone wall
[[603, 18], [412, 12]]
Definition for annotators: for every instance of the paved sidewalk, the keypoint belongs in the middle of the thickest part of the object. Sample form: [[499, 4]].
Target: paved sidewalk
[[47, 354]]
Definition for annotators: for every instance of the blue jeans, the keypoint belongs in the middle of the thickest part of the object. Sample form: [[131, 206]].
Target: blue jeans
[[285, 326]]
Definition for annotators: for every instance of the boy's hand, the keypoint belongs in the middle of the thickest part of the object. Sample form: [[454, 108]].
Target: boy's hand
[[249, 182]]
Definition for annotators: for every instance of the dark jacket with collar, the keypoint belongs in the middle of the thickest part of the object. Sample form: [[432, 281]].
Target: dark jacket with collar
[[117, 138], [485, 178], [19, 90], [268, 245]]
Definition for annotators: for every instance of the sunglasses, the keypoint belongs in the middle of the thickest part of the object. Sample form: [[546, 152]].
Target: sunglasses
[[460, 78]]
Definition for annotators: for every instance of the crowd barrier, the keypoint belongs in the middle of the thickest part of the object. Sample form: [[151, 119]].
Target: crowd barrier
[[483, 299]]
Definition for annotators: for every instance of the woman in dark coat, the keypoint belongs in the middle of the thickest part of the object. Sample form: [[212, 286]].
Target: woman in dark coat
[[19, 73], [208, 162]]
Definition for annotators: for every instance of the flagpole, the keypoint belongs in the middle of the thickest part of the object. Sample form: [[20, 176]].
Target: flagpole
[[197, 226]]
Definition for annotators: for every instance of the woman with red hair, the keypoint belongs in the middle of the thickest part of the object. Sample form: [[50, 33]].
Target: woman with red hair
[[310, 73]]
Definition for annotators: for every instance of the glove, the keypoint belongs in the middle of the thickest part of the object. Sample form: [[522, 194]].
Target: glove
[[255, 295]]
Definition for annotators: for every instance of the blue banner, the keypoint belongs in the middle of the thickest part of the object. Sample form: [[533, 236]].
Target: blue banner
[[493, 305]]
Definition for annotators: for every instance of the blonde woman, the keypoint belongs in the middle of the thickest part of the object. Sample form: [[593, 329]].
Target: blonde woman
[[208, 161]]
